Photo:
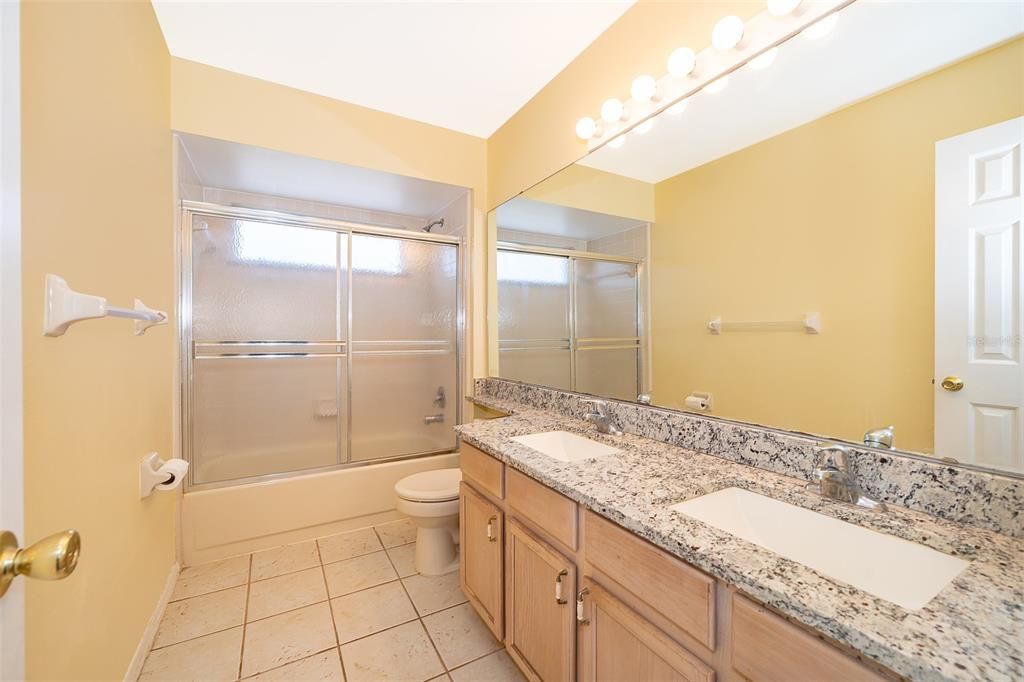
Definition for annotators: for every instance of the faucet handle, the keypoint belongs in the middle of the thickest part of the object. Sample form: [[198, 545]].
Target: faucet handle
[[600, 406], [840, 454]]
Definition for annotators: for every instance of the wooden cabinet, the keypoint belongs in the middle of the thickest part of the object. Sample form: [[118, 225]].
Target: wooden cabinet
[[616, 643], [481, 535], [650, 615], [684, 596], [485, 472], [767, 648], [540, 617]]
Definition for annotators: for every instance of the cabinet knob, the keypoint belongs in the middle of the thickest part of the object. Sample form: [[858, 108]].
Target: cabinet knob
[[491, 537]]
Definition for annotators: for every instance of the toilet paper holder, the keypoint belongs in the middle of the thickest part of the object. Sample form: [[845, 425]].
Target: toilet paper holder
[[157, 474]]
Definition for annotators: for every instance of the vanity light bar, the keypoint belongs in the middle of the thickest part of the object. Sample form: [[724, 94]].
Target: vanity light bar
[[734, 44]]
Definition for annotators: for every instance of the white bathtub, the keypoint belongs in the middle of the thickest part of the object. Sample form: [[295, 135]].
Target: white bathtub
[[216, 524]]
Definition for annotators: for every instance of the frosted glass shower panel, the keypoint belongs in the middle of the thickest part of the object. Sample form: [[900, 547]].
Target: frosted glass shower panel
[[255, 416], [260, 281], [533, 297], [608, 372], [606, 300], [533, 318], [404, 331]]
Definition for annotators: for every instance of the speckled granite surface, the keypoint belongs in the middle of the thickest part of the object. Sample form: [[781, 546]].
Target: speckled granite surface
[[966, 496], [973, 629]]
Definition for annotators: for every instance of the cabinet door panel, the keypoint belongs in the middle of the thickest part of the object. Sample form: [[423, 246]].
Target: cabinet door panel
[[540, 629], [618, 644], [481, 538]]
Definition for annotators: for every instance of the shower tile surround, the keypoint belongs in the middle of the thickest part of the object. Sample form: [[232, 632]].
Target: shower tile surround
[[971, 630], [284, 614], [972, 498]]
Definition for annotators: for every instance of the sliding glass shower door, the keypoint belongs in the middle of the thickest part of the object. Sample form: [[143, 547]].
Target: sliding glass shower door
[[569, 321], [315, 347]]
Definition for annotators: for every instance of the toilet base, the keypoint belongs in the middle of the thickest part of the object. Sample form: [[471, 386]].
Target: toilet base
[[436, 554]]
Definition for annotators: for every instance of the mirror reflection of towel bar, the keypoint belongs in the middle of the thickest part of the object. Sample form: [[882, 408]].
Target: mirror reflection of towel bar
[[811, 324]]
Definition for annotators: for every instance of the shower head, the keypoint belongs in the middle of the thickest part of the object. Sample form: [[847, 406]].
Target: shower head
[[437, 223]]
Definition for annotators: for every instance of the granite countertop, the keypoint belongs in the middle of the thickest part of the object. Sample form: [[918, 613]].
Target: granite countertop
[[972, 630]]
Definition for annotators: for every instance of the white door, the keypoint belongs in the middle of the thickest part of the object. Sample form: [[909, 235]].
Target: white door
[[12, 643], [979, 297]]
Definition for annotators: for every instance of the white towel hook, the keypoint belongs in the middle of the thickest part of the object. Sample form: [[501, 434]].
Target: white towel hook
[[63, 307]]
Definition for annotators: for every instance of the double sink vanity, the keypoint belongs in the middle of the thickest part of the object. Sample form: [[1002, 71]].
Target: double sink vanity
[[617, 557]]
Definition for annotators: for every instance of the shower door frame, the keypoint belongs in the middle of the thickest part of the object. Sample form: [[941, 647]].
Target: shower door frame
[[642, 352], [186, 343]]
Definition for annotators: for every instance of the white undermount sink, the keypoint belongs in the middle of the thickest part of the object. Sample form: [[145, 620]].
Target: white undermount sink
[[565, 446], [900, 571]]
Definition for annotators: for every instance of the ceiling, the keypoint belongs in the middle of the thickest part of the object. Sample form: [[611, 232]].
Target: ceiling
[[875, 46], [243, 168], [529, 215], [466, 66]]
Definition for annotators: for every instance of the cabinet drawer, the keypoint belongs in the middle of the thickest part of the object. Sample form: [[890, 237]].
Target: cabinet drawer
[[553, 513], [767, 648], [669, 586], [482, 469]]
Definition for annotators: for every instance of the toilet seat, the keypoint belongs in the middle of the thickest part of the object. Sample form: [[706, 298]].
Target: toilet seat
[[439, 485]]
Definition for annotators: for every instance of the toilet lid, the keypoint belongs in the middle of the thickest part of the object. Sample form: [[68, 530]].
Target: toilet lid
[[438, 485]]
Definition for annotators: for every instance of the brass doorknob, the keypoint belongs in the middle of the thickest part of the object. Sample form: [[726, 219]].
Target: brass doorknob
[[952, 383], [52, 558]]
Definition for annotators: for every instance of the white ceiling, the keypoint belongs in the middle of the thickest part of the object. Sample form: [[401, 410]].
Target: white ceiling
[[467, 66], [874, 47], [529, 215], [243, 168]]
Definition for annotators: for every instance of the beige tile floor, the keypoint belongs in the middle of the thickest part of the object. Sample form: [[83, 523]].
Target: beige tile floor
[[348, 607]]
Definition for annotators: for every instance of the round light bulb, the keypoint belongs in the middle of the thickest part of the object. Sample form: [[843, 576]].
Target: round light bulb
[[679, 107], [644, 88], [612, 110], [682, 62], [586, 128], [822, 27], [644, 127], [764, 60], [728, 33], [780, 8], [617, 142], [715, 87]]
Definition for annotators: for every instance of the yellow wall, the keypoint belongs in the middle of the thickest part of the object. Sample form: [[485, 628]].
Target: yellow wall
[[836, 216], [540, 139], [229, 106], [96, 199], [596, 190]]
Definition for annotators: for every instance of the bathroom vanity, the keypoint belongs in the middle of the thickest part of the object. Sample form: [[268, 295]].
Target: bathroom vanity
[[584, 572]]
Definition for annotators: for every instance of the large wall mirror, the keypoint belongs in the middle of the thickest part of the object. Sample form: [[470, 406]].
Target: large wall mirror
[[830, 243]]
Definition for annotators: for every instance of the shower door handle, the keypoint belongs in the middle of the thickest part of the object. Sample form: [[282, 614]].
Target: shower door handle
[[434, 418]]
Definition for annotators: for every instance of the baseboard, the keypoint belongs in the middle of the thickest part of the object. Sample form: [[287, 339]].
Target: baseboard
[[149, 634]]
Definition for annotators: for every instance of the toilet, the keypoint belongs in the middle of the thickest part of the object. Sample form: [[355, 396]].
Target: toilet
[[431, 500]]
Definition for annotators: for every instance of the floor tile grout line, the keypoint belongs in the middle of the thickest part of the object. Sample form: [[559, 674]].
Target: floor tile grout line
[[204, 594], [297, 660], [330, 608], [245, 617], [419, 616]]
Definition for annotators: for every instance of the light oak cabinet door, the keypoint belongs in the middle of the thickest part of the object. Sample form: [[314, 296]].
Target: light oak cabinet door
[[618, 644], [540, 618], [481, 526]]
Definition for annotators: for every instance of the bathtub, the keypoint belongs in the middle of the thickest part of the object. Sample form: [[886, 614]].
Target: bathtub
[[216, 524]]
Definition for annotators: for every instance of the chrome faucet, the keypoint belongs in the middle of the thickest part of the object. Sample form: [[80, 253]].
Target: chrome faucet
[[881, 437], [835, 480], [601, 419]]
